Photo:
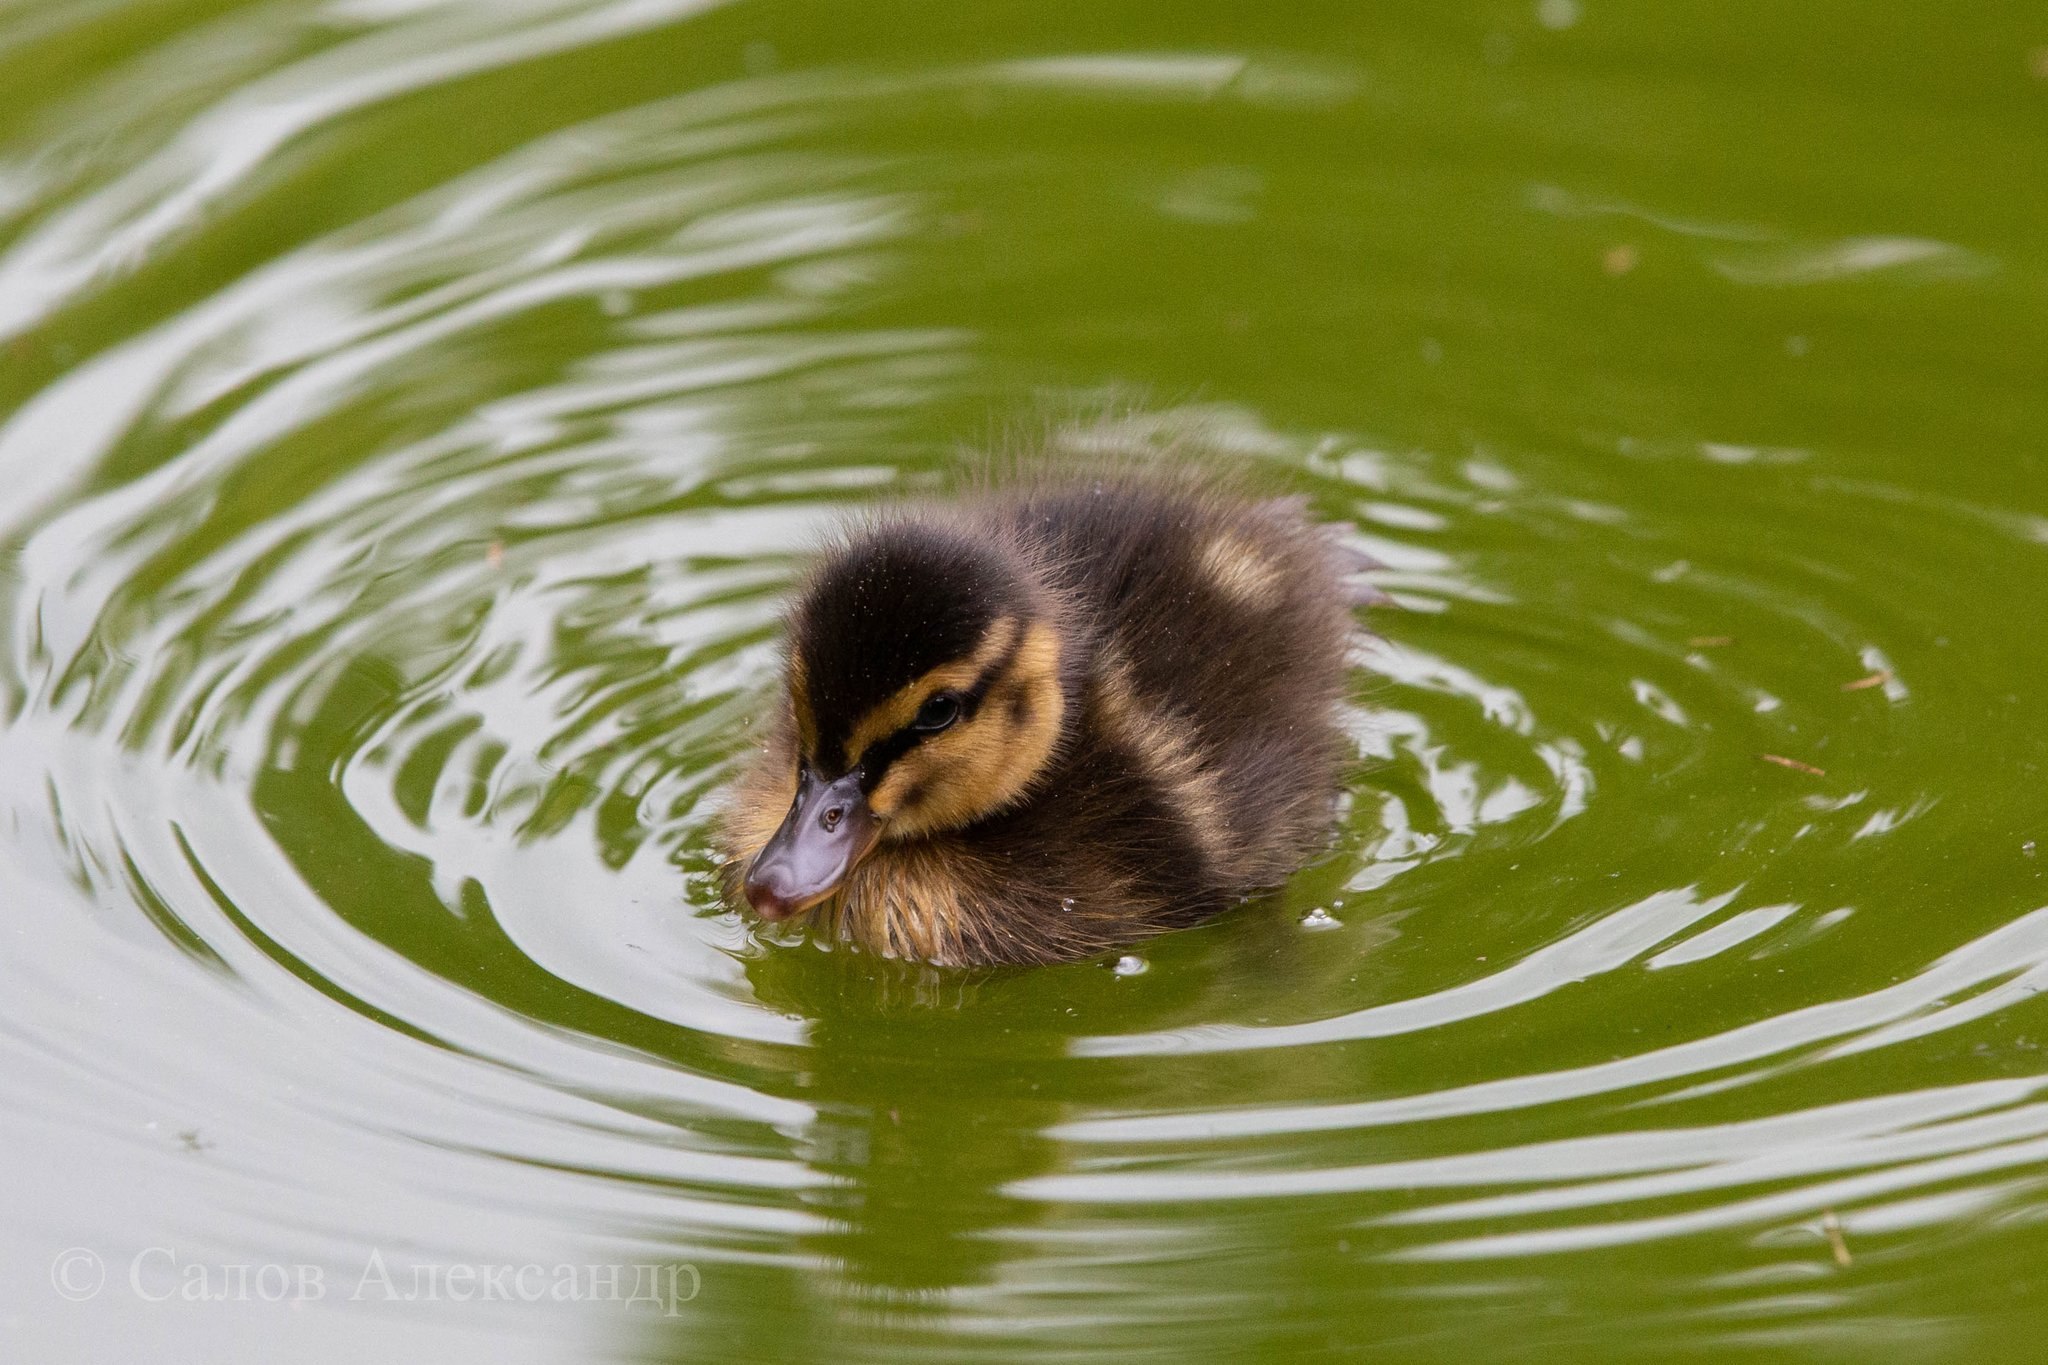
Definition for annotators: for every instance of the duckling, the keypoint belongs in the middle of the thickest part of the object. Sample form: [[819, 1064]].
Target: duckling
[[1057, 716]]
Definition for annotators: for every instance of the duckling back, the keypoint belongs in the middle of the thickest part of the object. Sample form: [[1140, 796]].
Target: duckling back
[[1216, 630]]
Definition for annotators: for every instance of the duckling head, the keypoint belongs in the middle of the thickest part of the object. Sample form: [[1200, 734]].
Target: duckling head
[[925, 681]]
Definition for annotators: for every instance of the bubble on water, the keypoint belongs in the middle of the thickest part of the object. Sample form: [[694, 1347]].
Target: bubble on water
[[1066, 902], [1320, 918], [1130, 964]]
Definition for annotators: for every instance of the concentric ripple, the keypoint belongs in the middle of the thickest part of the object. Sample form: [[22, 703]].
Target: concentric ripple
[[397, 531]]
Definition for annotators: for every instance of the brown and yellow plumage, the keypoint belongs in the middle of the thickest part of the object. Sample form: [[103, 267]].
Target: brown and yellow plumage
[[1053, 717]]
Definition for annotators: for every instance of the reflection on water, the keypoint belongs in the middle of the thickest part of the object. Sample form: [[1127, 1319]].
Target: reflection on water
[[413, 413]]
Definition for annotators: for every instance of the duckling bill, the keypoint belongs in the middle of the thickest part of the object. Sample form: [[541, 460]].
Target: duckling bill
[[1049, 719]]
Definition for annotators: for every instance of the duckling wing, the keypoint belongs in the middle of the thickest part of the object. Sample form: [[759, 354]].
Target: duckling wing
[[1221, 630]]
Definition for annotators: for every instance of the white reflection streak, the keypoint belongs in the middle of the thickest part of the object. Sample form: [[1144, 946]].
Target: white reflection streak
[[224, 146], [1186, 75], [331, 381], [1163, 73], [1411, 667], [1824, 1147], [1607, 943], [1806, 1200], [1853, 256], [1830, 1137], [162, 829], [1729, 933], [2015, 950], [90, 407]]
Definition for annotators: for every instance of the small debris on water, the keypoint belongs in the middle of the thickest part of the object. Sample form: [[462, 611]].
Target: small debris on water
[[1877, 679], [1320, 918], [1709, 641], [2028, 848], [1794, 764], [1130, 964], [494, 554], [2037, 62], [1832, 1226], [1619, 260]]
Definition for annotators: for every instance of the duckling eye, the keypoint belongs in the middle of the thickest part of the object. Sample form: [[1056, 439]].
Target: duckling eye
[[938, 712]]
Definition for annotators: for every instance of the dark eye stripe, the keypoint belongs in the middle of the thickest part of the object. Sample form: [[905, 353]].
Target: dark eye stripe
[[970, 699], [875, 760]]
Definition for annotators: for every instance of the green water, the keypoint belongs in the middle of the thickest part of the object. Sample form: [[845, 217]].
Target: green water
[[411, 410]]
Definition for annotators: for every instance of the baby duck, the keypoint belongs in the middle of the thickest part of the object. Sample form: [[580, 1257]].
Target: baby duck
[[1057, 716]]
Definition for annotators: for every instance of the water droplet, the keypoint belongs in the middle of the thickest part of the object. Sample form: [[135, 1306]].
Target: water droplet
[[1320, 918], [1066, 902], [1130, 964]]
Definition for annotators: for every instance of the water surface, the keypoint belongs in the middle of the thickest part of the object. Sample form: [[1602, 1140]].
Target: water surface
[[411, 412]]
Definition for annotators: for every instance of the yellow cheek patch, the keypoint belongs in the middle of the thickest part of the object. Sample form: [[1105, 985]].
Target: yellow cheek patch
[[986, 763], [901, 708], [1240, 572], [1187, 784]]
